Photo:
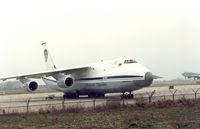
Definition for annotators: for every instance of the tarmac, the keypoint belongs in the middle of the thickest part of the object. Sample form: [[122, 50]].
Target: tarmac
[[34, 102]]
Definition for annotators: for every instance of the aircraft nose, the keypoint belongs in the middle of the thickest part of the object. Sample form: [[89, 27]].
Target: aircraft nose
[[149, 78]]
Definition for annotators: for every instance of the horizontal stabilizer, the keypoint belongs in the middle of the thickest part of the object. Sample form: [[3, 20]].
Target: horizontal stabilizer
[[156, 77]]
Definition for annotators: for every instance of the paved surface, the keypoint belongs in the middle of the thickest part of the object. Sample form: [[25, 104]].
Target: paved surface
[[38, 101]]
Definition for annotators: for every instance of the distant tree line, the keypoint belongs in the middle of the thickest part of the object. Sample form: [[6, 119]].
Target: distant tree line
[[17, 85]]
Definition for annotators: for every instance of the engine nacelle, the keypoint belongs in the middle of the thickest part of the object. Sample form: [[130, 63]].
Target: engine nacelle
[[29, 85], [65, 81]]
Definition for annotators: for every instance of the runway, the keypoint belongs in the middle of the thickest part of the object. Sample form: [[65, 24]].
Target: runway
[[37, 101]]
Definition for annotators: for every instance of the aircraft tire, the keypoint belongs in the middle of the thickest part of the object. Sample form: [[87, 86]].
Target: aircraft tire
[[130, 96], [100, 95], [125, 96], [71, 96], [64, 96], [93, 95]]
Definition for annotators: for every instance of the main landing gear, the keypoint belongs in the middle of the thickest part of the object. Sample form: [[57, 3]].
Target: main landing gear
[[70, 95], [94, 95], [127, 96]]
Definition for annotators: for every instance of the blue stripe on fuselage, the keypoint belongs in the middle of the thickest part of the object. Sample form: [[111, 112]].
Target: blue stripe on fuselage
[[96, 78], [110, 77], [128, 76], [101, 78]]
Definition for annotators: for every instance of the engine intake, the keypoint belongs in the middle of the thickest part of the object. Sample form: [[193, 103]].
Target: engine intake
[[29, 85], [69, 81], [33, 86], [65, 81]]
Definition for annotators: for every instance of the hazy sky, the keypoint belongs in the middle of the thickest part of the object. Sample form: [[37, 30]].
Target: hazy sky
[[162, 35]]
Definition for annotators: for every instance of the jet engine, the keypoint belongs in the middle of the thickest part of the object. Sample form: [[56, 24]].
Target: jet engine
[[29, 85], [65, 81]]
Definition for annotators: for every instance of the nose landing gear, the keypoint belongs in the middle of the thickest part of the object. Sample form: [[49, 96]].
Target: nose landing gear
[[127, 96]]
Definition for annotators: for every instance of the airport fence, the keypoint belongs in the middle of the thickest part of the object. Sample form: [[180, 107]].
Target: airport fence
[[36, 104]]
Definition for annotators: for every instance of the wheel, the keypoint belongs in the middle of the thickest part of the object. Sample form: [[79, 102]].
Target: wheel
[[94, 95], [129, 96], [123, 96], [91, 95], [71, 95], [64, 96], [132, 96], [100, 95]]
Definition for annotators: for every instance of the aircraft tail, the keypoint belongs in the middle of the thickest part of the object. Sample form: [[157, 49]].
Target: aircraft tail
[[48, 59]]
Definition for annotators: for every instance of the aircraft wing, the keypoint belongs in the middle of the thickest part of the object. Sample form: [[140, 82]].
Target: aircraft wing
[[48, 73]]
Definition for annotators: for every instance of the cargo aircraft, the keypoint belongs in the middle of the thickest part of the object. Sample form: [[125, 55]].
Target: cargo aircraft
[[95, 80]]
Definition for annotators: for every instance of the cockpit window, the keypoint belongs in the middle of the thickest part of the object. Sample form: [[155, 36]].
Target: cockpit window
[[130, 61]]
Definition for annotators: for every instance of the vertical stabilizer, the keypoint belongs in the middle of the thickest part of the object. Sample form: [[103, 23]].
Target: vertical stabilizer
[[48, 59]]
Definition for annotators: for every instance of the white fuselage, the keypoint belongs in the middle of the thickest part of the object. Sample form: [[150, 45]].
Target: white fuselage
[[107, 77]]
